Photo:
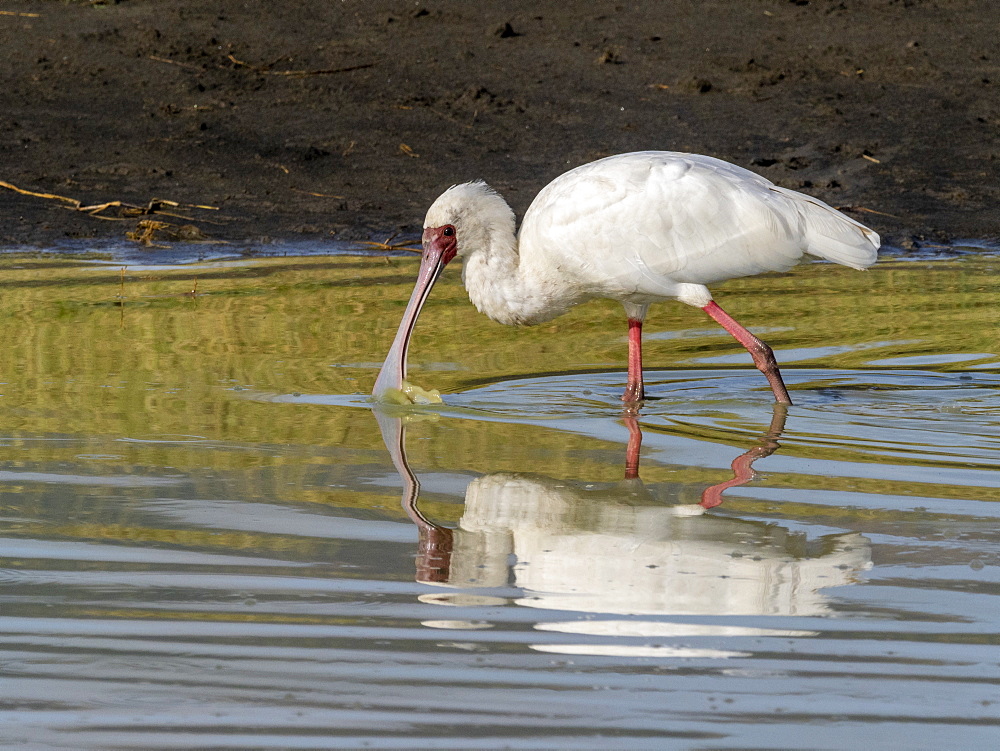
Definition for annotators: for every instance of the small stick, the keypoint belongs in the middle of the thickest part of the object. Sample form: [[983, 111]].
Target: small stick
[[152, 207], [311, 193], [22, 191], [174, 62], [322, 72], [870, 211], [389, 245]]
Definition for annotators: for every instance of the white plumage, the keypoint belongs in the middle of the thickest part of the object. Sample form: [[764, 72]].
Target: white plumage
[[637, 228]]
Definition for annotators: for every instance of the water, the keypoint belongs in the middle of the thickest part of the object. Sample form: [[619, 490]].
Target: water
[[210, 540]]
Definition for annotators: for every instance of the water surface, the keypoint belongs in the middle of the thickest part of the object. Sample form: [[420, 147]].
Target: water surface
[[210, 540]]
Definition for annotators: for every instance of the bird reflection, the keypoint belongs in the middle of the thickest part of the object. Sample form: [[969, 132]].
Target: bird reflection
[[615, 548]]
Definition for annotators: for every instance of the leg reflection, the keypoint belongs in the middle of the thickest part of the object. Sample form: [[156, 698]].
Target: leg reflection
[[512, 500], [742, 465], [634, 446]]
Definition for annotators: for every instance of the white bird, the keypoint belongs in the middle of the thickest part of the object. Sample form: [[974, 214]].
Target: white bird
[[637, 228]]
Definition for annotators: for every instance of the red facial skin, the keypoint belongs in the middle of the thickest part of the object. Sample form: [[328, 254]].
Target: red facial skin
[[440, 246], [441, 241]]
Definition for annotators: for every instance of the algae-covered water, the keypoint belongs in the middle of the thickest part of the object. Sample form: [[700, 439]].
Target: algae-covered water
[[209, 539]]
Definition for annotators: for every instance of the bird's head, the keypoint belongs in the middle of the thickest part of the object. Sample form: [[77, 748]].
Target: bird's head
[[460, 222], [463, 219]]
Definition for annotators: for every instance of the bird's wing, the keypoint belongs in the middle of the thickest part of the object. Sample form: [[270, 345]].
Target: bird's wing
[[831, 235], [644, 222]]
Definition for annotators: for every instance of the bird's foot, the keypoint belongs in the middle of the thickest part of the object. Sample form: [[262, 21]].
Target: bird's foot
[[634, 394]]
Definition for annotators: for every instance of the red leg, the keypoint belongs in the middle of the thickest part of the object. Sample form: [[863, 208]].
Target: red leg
[[633, 389], [763, 356]]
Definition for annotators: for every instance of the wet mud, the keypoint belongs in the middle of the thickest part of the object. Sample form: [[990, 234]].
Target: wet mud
[[344, 120]]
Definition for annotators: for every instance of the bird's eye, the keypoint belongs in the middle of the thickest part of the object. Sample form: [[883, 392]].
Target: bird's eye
[[448, 232]]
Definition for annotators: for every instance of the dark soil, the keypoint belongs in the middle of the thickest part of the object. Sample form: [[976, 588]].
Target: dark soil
[[344, 119]]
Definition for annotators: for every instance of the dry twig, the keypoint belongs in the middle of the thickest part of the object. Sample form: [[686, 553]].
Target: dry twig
[[129, 209], [148, 231], [145, 229], [22, 191], [869, 211], [174, 62], [409, 245], [312, 193], [266, 70]]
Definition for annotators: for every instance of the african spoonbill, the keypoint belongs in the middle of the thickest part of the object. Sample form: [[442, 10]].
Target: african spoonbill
[[637, 228]]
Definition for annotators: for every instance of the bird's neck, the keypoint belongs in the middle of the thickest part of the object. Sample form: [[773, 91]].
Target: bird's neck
[[502, 286]]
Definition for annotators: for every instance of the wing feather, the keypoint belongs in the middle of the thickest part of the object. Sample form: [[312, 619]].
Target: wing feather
[[642, 223]]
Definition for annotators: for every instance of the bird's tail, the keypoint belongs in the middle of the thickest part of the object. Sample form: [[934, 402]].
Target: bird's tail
[[834, 236]]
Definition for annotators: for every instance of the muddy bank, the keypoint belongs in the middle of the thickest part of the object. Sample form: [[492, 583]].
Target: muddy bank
[[344, 120]]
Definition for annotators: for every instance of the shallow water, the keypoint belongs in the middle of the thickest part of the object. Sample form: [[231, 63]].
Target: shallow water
[[210, 540]]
